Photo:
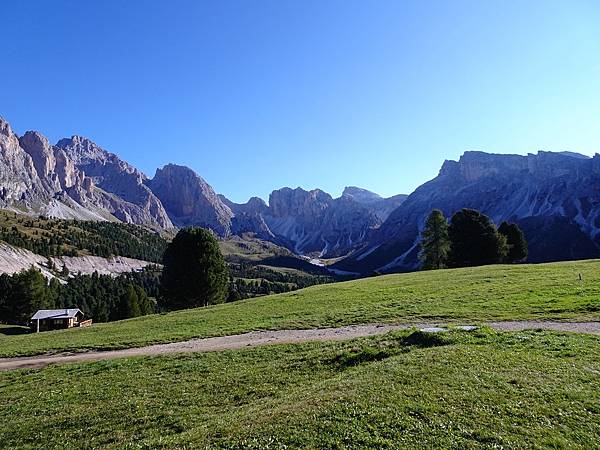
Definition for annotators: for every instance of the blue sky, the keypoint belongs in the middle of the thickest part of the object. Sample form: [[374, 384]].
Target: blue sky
[[257, 94]]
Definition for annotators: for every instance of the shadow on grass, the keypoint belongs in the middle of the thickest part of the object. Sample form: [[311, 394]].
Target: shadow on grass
[[356, 356], [423, 339], [14, 330]]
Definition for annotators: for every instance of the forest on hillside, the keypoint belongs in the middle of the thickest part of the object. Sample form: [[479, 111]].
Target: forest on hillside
[[60, 237]]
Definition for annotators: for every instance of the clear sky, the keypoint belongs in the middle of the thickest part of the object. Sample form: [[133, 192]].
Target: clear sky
[[259, 94]]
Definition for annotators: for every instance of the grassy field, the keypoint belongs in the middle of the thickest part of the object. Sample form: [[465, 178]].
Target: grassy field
[[545, 291], [454, 390]]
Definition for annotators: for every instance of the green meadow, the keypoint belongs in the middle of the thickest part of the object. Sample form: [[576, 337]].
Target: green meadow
[[479, 389], [504, 292]]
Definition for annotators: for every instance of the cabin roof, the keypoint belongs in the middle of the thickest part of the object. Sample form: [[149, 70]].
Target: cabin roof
[[63, 313]]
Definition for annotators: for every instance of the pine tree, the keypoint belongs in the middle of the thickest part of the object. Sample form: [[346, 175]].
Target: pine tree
[[516, 243], [474, 240], [195, 273], [129, 306], [435, 243], [30, 293]]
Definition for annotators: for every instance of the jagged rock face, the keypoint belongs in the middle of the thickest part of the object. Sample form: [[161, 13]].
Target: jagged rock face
[[287, 202], [312, 222], [19, 183], [40, 150], [189, 200], [51, 180], [249, 217], [253, 206], [555, 197], [68, 174], [253, 223], [131, 201], [54, 169]]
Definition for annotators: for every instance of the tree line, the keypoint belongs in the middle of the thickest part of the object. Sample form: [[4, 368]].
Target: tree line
[[252, 280], [469, 239], [100, 297]]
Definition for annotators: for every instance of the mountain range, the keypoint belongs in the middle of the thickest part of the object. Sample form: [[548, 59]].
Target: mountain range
[[554, 197], [77, 179]]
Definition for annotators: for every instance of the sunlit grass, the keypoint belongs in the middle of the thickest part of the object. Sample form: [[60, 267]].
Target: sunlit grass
[[458, 390], [506, 292]]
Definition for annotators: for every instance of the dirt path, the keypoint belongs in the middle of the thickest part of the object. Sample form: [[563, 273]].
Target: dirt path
[[256, 338]]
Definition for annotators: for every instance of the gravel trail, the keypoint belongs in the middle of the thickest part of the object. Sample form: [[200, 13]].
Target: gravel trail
[[256, 338]]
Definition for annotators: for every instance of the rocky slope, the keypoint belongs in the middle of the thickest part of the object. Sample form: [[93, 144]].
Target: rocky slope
[[131, 201], [13, 260], [313, 222], [555, 197], [381, 207]]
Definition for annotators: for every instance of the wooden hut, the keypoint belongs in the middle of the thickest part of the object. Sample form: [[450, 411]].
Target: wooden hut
[[58, 319]]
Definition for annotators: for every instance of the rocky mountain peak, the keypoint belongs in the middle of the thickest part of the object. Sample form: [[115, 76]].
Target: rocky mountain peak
[[256, 204], [5, 128], [296, 202], [81, 148], [360, 195], [41, 152], [190, 200]]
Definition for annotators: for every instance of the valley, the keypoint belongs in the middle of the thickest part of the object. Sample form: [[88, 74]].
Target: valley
[[552, 198]]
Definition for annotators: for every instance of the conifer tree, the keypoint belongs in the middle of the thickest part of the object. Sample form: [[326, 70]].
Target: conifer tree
[[195, 273], [435, 243], [474, 240], [516, 243]]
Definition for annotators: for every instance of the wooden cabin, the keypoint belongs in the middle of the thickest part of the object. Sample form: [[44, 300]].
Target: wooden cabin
[[58, 319]]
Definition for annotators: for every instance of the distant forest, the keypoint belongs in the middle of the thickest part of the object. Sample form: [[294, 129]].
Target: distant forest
[[59, 237]]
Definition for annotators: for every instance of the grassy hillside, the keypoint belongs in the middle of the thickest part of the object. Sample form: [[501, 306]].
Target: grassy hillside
[[260, 268], [545, 291], [58, 237], [458, 390]]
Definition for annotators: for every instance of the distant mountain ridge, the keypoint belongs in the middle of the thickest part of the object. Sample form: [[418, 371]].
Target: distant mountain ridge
[[78, 179], [554, 197], [313, 222]]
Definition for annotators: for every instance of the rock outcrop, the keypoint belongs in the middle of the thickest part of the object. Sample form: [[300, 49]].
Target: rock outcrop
[[75, 179], [19, 183], [190, 200], [131, 201]]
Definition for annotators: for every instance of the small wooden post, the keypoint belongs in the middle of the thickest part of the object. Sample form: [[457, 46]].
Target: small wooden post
[[38, 326]]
